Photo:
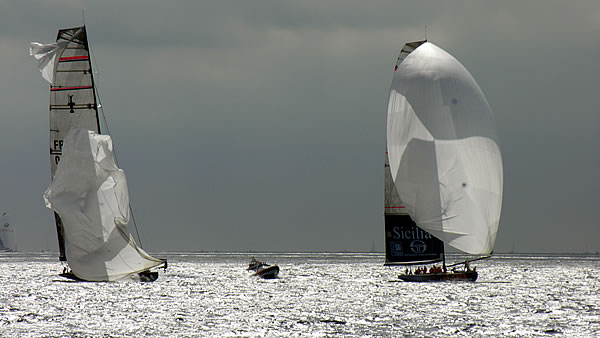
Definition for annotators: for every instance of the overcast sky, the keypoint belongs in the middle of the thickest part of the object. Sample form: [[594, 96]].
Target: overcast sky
[[260, 125]]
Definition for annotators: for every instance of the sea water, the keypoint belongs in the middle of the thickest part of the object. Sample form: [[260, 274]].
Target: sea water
[[325, 294]]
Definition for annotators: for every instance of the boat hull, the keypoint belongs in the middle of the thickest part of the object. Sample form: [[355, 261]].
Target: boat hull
[[71, 276], [144, 276], [148, 276], [468, 276], [268, 272]]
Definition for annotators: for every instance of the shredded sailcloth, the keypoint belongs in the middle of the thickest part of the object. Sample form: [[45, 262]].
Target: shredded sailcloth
[[47, 56], [89, 192]]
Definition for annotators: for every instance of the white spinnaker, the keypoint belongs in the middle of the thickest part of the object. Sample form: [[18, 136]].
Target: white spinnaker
[[443, 151], [89, 192]]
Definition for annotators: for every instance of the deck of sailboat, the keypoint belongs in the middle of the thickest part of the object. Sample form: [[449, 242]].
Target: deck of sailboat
[[469, 276]]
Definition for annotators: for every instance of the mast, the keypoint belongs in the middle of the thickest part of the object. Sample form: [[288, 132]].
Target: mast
[[72, 101], [443, 257]]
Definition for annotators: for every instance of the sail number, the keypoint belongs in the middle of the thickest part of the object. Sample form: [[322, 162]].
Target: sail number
[[56, 150]]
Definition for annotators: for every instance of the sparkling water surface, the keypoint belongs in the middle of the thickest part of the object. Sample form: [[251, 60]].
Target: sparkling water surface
[[212, 294]]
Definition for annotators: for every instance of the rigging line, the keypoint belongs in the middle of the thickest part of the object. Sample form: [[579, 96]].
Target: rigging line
[[135, 226], [105, 123], [470, 260]]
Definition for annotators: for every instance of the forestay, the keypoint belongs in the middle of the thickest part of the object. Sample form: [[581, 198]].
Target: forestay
[[443, 150], [89, 192]]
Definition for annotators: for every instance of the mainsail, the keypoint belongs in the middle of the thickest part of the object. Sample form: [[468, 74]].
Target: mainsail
[[8, 238], [443, 150], [91, 225], [67, 66]]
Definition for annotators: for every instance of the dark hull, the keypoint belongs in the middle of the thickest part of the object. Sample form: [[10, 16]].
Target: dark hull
[[148, 276], [469, 276], [71, 276], [268, 273], [145, 276]]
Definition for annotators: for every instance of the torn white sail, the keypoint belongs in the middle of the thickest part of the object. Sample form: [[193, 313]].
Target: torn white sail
[[47, 56], [443, 150], [89, 192]]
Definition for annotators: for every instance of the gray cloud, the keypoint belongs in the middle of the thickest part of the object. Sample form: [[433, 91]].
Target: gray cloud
[[261, 125]]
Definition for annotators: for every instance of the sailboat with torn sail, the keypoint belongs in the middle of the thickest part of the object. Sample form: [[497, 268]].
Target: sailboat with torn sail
[[443, 172], [88, 192]]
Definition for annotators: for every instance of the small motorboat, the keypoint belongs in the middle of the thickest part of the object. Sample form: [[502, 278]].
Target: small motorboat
[[263, 270]]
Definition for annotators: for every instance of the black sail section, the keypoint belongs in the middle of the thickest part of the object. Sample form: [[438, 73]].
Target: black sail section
[[72, 100], [407, 49], [405, 242]]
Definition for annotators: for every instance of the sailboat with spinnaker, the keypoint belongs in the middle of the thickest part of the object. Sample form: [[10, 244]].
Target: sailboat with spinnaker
[[88, 193], [443, 167]]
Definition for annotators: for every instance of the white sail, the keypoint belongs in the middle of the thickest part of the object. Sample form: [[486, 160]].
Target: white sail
[[89, 192], [47, 56], [8, 238], [443, 150]]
